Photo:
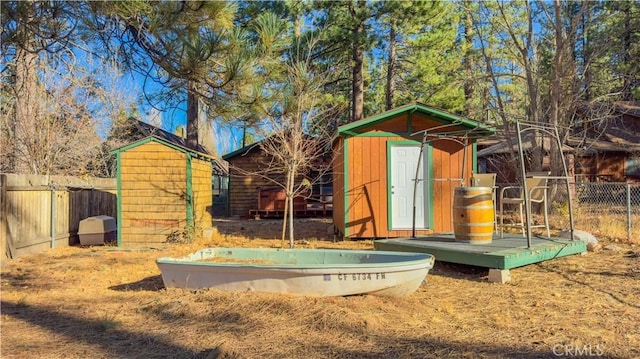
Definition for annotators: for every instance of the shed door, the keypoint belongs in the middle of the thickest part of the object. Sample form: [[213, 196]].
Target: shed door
[[403, 163]]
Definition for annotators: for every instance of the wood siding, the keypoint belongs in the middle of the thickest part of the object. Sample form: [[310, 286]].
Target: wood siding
[[604, 167], [202, 193], [447, 174], [244, 181], [398, 124], [31, 203], [154, 192]]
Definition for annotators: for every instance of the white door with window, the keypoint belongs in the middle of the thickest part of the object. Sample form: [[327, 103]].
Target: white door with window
[[402, 166]]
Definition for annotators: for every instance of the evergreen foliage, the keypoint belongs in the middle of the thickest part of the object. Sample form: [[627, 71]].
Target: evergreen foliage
[[493, 60]]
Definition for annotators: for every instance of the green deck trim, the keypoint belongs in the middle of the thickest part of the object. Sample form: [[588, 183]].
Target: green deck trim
[[434, 113], [119, 199], [507, 253], [189, 191]]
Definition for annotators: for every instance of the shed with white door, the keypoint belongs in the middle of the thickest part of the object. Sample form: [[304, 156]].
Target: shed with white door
[[375, 165]]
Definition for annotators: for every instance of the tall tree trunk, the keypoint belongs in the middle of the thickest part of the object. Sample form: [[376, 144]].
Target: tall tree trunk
[[192, 116], [391, 66], [357, 93], [528, 57], [556, 84], [586, 56], [284, 218], [26, 91], [290, 198], [628, 70]]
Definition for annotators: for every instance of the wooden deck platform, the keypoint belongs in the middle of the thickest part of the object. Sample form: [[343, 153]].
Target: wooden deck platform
[[502, 253]]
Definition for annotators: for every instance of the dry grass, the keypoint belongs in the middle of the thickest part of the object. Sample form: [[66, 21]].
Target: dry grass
[[105, 302]]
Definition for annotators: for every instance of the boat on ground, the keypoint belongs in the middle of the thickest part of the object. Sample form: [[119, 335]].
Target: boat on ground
[[304, 272]]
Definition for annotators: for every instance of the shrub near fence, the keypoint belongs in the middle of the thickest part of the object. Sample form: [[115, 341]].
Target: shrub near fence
[[606, 209], [39, 212]]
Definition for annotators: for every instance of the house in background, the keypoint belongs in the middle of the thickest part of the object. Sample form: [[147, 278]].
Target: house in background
[[496, 156], [603, 146], [607, 142], [375, 164]]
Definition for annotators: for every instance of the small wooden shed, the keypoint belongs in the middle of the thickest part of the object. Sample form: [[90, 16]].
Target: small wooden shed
[[164, 190], [250, 192], [375, 164]]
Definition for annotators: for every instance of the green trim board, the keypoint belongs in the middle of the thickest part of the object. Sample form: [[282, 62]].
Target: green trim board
[[382, 134], [474, 157], [431, 185], [502, 253], [189, 184], [119, 199], [432, 112], [429, 168]]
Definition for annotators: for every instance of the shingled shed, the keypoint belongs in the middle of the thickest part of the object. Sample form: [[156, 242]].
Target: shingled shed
[[375, 163], [163, 189]]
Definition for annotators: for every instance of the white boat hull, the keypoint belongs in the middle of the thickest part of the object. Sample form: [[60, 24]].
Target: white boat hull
[[372, 272]]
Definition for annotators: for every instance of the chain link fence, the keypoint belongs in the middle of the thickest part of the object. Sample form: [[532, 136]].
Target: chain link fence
[[609, 209]]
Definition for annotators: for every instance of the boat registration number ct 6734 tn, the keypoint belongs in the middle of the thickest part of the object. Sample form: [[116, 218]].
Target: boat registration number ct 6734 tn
[[361, 276]]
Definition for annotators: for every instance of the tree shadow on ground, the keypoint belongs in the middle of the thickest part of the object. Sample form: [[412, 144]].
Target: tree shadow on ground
[[577, 276], [430, 347], [116, 342]]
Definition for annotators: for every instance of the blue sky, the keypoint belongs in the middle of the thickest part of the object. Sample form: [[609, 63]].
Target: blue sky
[[226, 138]]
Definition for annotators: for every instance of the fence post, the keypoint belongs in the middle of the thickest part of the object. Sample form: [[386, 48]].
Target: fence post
[[628, 211], [53, 217], [3, 218]]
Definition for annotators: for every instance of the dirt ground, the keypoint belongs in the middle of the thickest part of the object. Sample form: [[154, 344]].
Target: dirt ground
[[109, 302]]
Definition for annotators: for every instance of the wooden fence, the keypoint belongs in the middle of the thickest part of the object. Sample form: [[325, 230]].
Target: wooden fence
[[40, 212]]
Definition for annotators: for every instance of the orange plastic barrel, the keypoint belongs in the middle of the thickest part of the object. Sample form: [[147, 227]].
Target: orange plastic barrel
[[473, 214]]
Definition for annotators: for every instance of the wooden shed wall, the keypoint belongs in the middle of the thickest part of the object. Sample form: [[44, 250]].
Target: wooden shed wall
[[243, 193], [366, 203], [202, 193], [446, 175], [610, 166], [153, 190], [365, 214]]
